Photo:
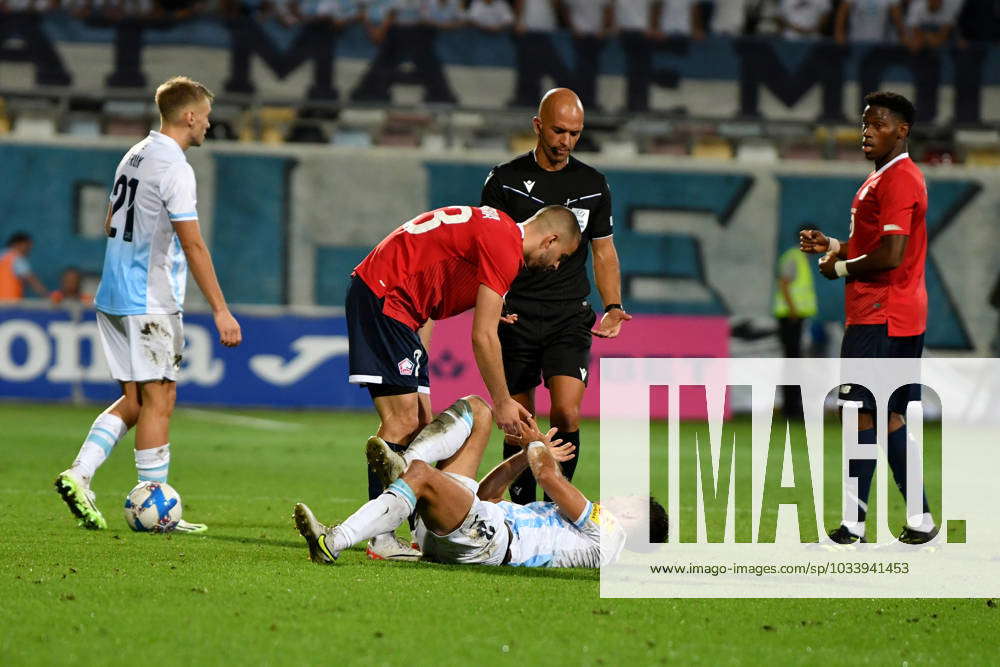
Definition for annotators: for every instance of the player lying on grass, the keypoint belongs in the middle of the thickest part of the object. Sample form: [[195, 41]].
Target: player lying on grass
[[461, 521]]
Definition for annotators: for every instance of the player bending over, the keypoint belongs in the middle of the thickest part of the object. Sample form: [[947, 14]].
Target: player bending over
[[461, 521]]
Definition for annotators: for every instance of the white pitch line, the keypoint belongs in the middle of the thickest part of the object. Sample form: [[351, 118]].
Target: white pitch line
[[241, 420]]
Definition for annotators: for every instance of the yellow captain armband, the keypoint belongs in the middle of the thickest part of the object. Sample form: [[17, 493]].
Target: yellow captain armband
[[595, 514]]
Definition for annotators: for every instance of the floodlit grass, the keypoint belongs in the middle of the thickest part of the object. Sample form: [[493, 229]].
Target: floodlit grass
[[246, 593]]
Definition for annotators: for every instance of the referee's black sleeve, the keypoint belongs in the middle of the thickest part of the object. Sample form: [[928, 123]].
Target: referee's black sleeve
[[493, 192]]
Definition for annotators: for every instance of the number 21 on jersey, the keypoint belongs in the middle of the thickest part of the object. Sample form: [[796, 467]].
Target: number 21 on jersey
[[426, 222], [124, 186]]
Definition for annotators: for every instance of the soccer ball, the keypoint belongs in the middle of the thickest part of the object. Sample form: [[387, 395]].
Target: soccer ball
[[152, 507]]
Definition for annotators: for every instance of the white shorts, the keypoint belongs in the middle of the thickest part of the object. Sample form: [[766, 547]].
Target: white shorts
[[482, 539], [142, 348]]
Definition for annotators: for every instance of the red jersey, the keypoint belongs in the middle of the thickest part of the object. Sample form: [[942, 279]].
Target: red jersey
[[432, 266], [892, 200]]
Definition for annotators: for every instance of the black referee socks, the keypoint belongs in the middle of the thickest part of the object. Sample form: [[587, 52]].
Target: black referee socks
[[569, 467]]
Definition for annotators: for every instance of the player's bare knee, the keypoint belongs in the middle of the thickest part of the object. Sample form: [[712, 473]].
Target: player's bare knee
[[160, 410], [126, 409], [565, 417], [158, 400], [481, 411]]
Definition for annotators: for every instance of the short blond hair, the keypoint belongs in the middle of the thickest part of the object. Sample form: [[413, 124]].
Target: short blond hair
[[178, 92]]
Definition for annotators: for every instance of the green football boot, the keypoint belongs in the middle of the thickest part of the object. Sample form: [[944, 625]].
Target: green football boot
[[80, 500]]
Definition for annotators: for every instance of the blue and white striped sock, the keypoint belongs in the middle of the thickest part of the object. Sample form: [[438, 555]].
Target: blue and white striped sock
[[153, 465], [104, 434]]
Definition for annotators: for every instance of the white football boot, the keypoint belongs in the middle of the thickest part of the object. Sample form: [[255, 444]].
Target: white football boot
[[389, 547], [189, 528]]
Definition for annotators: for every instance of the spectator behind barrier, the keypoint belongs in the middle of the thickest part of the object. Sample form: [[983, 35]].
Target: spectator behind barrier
[[732, 17], [868, 21], [491, 15], [680, 19], [535, 54], [802, 19], [71, 289], [444, 14], [930, 23], [405, 30], [634, 22], [15, 270], [588, 21]]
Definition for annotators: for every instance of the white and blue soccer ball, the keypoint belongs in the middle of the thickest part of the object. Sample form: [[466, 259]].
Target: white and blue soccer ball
[[153, 507]]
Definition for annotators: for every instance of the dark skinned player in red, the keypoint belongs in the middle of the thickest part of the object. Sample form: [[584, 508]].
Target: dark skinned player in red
[[882, 263]]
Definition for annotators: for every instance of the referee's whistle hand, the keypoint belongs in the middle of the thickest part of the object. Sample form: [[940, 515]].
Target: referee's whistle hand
[[509, 318]]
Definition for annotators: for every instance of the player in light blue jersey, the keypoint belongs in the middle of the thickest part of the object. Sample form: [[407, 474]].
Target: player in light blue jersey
[[461, 521], [153, 235]]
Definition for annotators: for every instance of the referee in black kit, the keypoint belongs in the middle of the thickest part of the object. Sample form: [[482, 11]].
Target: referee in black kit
[[548, 324]]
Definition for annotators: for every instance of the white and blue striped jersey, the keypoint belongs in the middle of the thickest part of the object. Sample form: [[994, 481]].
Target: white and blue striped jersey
[[145, 270], [545, 538]]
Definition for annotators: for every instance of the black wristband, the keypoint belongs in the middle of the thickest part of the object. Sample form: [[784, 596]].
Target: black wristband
[[611, 306]]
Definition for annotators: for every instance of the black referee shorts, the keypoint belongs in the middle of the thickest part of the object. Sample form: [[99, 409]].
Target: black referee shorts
[[384, 354], [549, 338], [872, 341]]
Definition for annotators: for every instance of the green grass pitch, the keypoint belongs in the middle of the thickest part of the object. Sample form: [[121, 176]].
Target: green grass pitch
[[246, 592]]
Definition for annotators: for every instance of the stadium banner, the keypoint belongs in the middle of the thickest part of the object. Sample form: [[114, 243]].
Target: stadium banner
[[285, 360], [291, 360], [454, 372], [751, 499]]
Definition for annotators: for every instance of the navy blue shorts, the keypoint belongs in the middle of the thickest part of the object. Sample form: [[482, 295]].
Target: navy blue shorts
[[383, 351], [872, 341]]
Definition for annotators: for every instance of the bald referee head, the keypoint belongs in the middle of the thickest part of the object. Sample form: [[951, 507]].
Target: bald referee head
[[550, 236], [558, 126]]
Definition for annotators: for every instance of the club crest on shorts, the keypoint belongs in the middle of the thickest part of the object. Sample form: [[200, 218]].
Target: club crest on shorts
[[405, 367]]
